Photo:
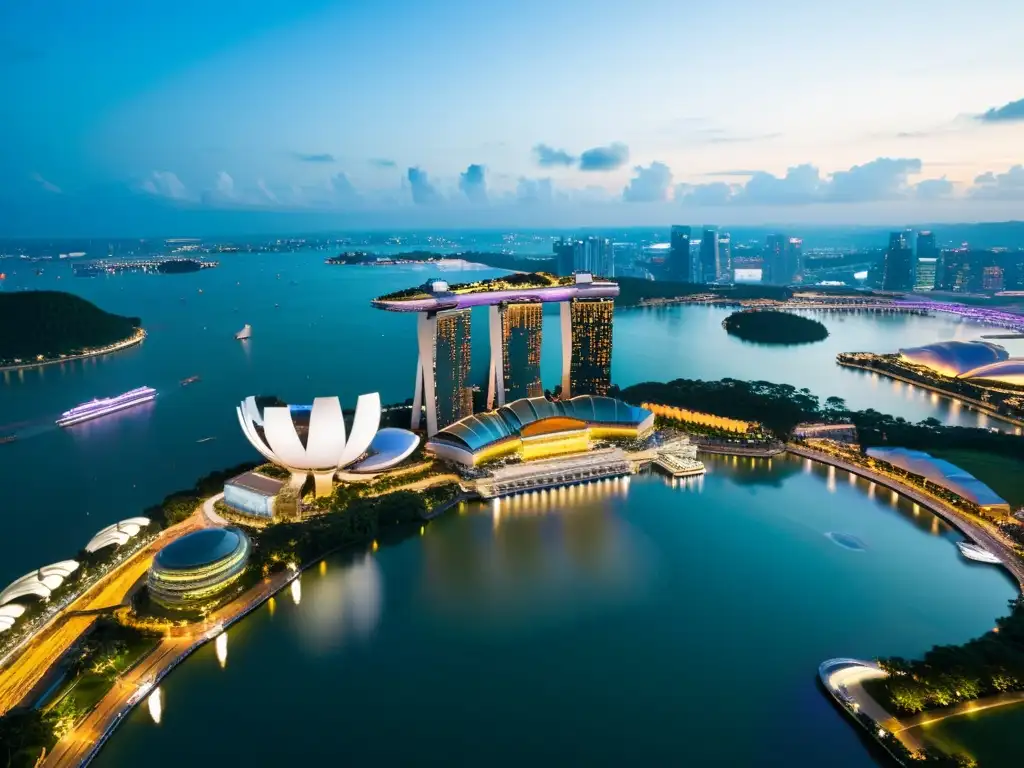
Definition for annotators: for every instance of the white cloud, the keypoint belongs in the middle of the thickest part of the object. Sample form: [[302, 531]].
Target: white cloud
[[649, 185], [47, 185], [1000, 186], [164, 184]]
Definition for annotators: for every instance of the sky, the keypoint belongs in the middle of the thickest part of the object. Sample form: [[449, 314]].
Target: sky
[[123, 118]]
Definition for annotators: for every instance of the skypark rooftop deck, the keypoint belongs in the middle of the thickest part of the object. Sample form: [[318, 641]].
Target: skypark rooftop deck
[[436, 295]]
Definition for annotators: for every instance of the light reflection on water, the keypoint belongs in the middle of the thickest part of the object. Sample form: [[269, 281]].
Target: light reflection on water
[[342, 603]]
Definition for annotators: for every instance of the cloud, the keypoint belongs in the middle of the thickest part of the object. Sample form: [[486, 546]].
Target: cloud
[[164, 184], [1000, 186], [607, 158], [343, 189], [738, 172], [933, 189], [649, 185], [716, 193], [549, 157], [225, 185], [382, 162], [423, 192], [49, 186], [473, 184], [1007, 113], [534, 191], [726, 139], [881, 179], [261, 185], [321, 158]]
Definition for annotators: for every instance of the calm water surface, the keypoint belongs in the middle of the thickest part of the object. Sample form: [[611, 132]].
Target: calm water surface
[[639, 623], [314, 333]]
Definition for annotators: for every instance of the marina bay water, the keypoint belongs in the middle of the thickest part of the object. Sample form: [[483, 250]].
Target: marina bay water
[[621, 623], [642, 621], [315, 333]]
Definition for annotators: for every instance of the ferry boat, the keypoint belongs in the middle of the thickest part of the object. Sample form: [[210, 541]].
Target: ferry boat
[[101, 407], [978, 553], [189, 380], [245, 333]]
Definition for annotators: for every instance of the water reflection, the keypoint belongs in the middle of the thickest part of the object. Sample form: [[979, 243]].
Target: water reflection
[[536, 557], [342, 603], [221, 647], [753, 470], [155, 705], [296, 590]]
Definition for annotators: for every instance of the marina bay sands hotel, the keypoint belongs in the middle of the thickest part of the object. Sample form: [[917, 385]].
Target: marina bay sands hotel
[[515, 307]]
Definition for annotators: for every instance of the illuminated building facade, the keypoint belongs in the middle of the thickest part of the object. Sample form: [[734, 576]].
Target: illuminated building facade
[[442, 372], [703, 419], [724, 269], [679, 254], [782, 259], [898, 270], [197, 568], [709, 256], [926, 273], [516, 332], [586, 347]]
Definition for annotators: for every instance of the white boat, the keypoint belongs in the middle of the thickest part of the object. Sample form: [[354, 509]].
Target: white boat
[[245, 333], [978, 553], [96, 408]]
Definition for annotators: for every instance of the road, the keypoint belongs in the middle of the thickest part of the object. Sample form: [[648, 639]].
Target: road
[[22, 674], [81, 744]]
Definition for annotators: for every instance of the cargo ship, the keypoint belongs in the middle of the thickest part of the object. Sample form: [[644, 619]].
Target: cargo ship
[[101, 407]]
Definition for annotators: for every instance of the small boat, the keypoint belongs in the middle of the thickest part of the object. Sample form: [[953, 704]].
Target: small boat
[[7, 439], [977, 553], [205, 439], [189, 380], [245, 333]]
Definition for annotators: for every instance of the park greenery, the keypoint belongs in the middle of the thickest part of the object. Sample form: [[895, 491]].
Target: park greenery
[[771, 327], [634, 291], [54, 323], [178, 266], [179, 505], [951, 674]]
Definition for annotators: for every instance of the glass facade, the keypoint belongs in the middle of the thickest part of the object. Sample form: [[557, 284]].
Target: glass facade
[[521, 326], [591, 368], [454, 397]]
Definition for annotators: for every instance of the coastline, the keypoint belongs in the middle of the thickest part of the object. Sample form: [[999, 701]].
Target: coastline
[[975, 404], [131, 341], [76, 749]]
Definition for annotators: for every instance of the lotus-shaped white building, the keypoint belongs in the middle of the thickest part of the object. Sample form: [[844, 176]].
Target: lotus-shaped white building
[[311, 440]]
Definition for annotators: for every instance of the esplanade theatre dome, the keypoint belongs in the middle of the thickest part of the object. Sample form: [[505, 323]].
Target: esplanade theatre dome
[[954, 358], [1009, 372], [198, 567]]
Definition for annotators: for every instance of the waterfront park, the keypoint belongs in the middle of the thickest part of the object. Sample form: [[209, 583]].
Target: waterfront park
[[110, 629]]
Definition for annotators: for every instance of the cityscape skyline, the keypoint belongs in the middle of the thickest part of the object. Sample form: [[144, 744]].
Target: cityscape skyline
[[188, 140]]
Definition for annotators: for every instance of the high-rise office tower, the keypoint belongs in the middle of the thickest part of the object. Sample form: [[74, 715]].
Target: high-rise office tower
[[773, 266], [565, 256], [926, 248], [587, 326], [794, 260], [709, 256], [515, 352], [725, 257], [898, 269], [679, 254], [926, 273], [595, 256], [442, 372]]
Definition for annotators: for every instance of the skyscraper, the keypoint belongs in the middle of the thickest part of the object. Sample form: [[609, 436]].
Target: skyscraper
[[565, 256], [926, 273], [725, 257], [709, 256], [773, 267], [898, 269], [587, 323], [442, 373], [794, 260], [594, 255], [679, 254], [521, 326]]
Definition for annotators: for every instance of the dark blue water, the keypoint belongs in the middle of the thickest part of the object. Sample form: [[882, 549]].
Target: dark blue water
[[614, 624]]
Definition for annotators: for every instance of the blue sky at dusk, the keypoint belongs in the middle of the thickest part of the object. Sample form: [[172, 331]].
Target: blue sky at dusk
[[123, 117]]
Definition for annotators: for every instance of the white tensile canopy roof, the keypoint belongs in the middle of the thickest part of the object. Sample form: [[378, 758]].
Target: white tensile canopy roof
[[117, 534], [40, 583]]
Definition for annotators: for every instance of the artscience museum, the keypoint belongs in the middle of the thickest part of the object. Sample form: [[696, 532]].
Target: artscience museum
[[315, 440]]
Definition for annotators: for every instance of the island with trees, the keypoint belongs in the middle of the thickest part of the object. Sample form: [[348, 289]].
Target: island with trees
[[772, 327], [53, 326]]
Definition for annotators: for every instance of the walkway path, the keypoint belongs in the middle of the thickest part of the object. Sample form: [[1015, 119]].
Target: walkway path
[[135, 338], [971, 528], [48, 645]]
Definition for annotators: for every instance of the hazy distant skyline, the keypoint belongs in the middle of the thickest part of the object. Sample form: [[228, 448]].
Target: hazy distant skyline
[[133, 117]]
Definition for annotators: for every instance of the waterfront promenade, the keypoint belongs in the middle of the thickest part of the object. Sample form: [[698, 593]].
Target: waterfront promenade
[[977, 405], [971, 528], [29, 664], [131, 341]]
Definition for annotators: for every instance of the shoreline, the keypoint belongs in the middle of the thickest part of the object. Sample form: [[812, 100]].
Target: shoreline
[[136, 338], [976, 405], [249, 601]]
